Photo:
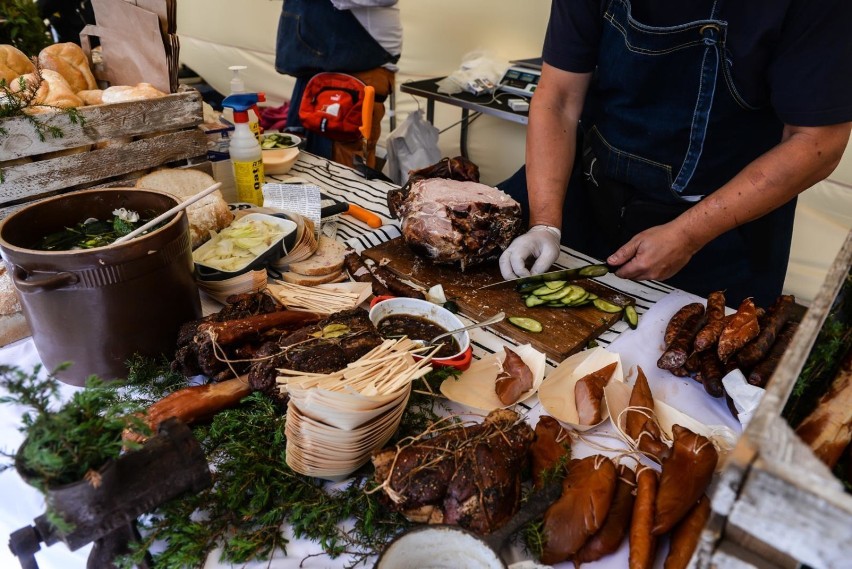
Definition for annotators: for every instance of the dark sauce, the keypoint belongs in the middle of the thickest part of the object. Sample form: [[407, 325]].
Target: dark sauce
[[418, 328]]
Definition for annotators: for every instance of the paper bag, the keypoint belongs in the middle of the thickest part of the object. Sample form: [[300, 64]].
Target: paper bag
[[132, 45]]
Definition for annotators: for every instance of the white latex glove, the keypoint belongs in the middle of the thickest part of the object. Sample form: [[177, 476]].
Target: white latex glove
[[540, 242]]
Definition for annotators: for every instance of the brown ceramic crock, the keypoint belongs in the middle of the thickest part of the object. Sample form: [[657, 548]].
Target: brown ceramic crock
[[97, 307]]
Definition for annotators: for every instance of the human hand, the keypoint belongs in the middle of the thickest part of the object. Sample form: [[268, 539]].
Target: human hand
[[540, 242], [656, 253]]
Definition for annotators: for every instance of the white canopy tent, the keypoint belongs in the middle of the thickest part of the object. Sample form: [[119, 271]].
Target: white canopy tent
[[437, 33]]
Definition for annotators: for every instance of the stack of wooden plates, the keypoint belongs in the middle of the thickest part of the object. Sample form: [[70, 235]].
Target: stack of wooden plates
[[334, 421]]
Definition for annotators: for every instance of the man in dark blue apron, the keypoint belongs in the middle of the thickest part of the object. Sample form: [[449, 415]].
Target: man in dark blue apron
[[700, 122]]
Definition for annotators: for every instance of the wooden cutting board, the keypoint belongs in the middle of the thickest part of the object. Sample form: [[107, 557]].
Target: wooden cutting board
[[566, 330]]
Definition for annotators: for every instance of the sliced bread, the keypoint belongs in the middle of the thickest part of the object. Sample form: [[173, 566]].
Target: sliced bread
[[305, 280], [209, 213], [327, 259]]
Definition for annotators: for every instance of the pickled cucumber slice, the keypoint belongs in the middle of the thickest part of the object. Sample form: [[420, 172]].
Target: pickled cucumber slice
[[528, 324]]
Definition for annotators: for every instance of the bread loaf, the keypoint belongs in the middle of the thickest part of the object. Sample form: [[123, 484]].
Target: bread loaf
[[13, 325], [68, 60], [209, 213], [327, 259], [125, 93], [91, 96], [53, 91], [14, 63]]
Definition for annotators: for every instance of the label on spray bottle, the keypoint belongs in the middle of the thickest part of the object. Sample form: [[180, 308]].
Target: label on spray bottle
[[248, 177]]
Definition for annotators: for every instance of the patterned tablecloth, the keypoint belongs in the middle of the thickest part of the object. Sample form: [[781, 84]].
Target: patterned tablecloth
[[655, 303]]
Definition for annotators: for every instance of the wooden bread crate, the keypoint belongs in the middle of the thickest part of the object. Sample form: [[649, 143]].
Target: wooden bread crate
[[776, 504], [144, 134]]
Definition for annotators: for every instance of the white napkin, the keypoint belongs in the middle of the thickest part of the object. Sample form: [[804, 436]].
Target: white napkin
[[746, 397]]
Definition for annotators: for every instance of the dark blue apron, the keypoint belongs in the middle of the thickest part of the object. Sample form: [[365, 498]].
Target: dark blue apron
[[314, 36], [663, 126]]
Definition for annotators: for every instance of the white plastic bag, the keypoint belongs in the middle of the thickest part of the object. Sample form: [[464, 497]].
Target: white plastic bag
[[411, 146], [476, 65]]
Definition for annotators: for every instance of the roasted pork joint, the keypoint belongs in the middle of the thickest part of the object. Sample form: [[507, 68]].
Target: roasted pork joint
[[449, 221]]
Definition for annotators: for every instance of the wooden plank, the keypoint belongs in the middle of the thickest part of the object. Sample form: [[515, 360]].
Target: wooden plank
[[778, 514], [102, 122], [39, 179], [729, 555], [127, 181], [566, 330]]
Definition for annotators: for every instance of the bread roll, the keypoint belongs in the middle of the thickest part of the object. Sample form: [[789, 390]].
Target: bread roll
[[209, 213], [68, 60], [53, 91], [91, 96], [124, 93], [14, 63]]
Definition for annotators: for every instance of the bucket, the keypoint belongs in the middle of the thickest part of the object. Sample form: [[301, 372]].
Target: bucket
[[97, 307]]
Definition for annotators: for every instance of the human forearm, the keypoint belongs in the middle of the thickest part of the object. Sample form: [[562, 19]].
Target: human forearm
[[551, 142], [804, 157]]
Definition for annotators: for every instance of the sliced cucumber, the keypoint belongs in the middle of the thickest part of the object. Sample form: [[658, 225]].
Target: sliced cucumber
[[606, 306], [631, 316], [528, 287], [544, 290], [594, 271], [555, 285], [579, 301], [592, 296], [561, 293], [533, 300], [555, 304], [577, 292], [528, 324]]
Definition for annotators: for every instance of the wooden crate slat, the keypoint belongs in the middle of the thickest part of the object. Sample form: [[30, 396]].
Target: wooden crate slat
[[29, 181], [102, 122], [777, 513]]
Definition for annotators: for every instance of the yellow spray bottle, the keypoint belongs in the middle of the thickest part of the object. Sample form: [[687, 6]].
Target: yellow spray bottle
[[245, 151]]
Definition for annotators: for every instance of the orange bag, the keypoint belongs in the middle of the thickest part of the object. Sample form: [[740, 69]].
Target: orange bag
[[331, 106]]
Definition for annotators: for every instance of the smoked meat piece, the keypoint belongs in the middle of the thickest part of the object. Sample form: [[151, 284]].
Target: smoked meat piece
[[580, 512], [739, 330], [828, 429], [686, 534], [617, 523], [761, 373], [685, 476], [712, 373], [550, 446], [675, 355], [757, 349], [588, 394], [709, 334], [360, 272], [469, 476], [515, 379], [678, 320], [641, 424], [643, 543]]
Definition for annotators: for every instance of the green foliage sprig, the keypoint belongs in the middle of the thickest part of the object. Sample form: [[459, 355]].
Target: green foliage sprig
[[14, 102], [22, 26], [72, 442], [254, 492]]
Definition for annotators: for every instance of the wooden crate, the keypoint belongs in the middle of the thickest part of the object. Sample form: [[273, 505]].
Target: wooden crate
[[160, 131], [776, 504]]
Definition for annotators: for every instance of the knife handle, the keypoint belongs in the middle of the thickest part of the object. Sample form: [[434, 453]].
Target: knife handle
[[362, 214]]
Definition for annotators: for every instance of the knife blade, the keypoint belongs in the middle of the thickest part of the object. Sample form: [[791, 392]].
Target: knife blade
[[585, 272]]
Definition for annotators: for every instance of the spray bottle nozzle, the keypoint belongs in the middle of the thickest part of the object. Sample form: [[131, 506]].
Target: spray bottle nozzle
[[243, 101]]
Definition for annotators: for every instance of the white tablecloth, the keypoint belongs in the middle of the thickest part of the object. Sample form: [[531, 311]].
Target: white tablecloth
[[21, 503]]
